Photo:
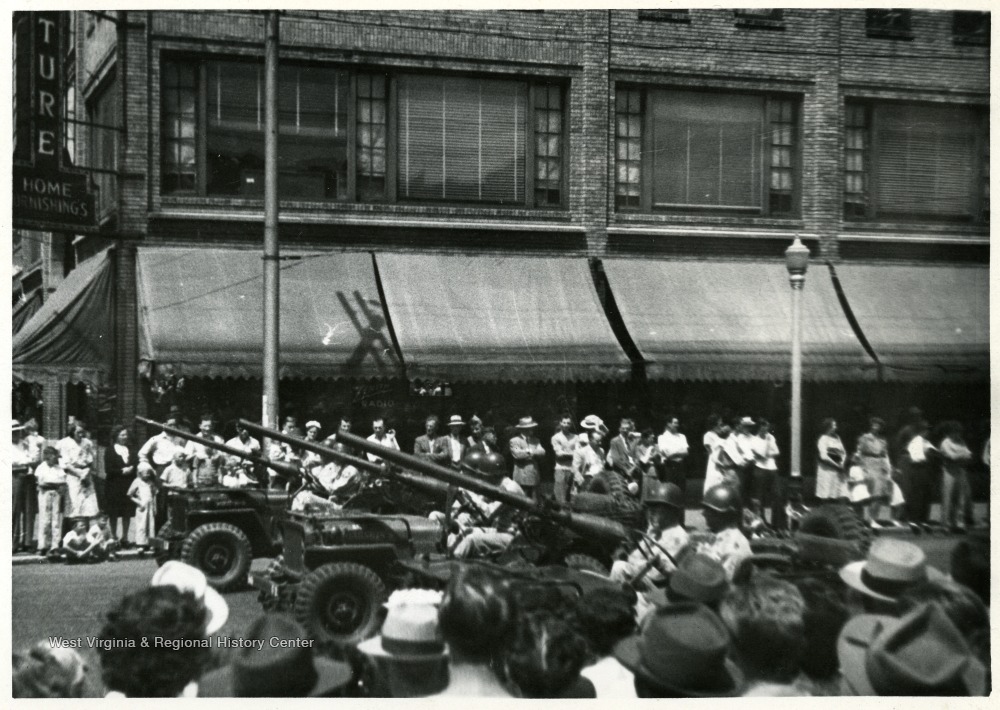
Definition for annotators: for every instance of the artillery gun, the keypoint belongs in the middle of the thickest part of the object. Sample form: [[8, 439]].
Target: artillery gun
[[220, 529], [336, 569]]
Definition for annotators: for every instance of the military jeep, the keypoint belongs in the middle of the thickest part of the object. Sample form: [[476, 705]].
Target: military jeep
[[220, 530]]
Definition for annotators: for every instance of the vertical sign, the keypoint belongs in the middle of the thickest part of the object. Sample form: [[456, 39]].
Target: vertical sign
[[46, 196]]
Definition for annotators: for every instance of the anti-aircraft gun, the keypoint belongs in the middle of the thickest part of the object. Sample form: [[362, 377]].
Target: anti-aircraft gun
[[221, 529], [336, 569]]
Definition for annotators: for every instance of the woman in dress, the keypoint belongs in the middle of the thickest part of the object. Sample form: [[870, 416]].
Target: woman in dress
[[872, 454], [120, 468], [831, 481], [712, 441], [79, 476], [765, 473]]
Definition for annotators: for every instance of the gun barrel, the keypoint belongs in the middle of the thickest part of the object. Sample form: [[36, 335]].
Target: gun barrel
[[587, 525], [284, 469], [426, 485]]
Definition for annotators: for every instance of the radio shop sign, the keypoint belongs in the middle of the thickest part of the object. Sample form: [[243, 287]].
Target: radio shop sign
[[47, 196]]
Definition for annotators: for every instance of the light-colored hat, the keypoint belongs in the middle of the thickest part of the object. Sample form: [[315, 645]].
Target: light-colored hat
[[455, 420], [186, 578], [313, 424], [892, 567], [593, 423], [526, 423], [16, 425], [746, 421], [411, 631]]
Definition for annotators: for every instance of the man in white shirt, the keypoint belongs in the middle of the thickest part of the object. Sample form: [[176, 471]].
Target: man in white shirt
[[240, 471], [206, 463], [456, 447], [51, 481], [918, 475], [159, 450], [673, 452], [564, 445], [588, 459], [382, 437]]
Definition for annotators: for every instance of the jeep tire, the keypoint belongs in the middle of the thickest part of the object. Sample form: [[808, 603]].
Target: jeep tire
[[585, 563], [340, 603], [220, 550]]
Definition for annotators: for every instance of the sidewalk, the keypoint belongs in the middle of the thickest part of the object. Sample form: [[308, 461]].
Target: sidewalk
[[33, 558]]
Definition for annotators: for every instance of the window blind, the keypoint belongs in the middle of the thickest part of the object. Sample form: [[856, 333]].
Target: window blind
[[927, 160], [461, 139], [707, 149]]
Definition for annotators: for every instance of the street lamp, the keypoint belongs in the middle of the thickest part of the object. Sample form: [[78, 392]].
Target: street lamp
[[797, 262]]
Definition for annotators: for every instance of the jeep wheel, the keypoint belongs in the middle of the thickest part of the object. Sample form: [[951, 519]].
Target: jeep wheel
[[836, 521], [162, 556], [340, 603], [220, 550], [585, 563]]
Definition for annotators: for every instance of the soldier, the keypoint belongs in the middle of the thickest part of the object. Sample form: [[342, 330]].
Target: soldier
[[654, 558], [727, 544], [495, 528]]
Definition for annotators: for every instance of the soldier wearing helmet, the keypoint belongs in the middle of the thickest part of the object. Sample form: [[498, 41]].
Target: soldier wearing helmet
[[727, 544], [648, 566], [489, 525]]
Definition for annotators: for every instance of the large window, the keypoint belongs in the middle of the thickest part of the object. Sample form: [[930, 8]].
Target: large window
[[102, 145], [366, 136], [701, 151], [915, 162]]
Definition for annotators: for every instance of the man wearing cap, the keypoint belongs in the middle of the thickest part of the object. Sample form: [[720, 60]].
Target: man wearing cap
[[920, 654], [647, 566], [454, 442], [681, 652], [409, 653], [528, 454], [564, 445], [430, 445], [727, 544], [491, 527]]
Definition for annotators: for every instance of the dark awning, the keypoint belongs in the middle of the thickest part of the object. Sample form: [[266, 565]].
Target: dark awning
[[499, 318], [201, 314], [708, 320], [923, 322], [69, 339], [25, 309]]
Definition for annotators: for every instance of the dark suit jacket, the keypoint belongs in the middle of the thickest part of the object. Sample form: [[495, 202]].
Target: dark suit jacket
[[434, 449], [621, 454]]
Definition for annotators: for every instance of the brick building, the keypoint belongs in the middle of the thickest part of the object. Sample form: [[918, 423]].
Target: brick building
[[542, 210]]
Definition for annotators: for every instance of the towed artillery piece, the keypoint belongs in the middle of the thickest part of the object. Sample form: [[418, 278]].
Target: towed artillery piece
[[337, 568], [220, 530]]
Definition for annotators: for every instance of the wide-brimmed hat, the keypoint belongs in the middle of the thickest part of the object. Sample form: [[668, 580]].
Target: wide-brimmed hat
[[282, 667], [699, 578], [922, 653], [15, 425], [593, 422], [313, 424], [892, 567], [411, 631], [526, 423], [186, 578], [682, 648], [455, 420]]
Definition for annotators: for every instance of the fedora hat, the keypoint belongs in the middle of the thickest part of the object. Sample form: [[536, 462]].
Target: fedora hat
[[699, 578], [892, 567], [455, 420], [186, 578], [921, 653], [313, 424], [15, 425], [411, 631], [282, 667], [682, 648], [526, 423]]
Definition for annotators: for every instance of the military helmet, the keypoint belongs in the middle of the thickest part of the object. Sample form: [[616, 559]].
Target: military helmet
[[489, 466], [722, 499], [664, 493]]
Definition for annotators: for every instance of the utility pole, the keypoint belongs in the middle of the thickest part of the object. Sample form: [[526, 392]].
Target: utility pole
[[269, 408]]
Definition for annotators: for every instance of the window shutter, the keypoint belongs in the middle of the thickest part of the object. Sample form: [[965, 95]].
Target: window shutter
[[461, 139], [926, 160], [707, 150]]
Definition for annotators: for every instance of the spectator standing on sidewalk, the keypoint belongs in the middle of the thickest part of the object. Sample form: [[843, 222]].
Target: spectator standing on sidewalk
[[564, 444], [51, 483], [120, 464], [955, 457], [22, 465], [77, 453], [872, 455], [674, 451], [206, 463], [143, 494], [765, 473], [528, 454], [917, 475], [831, 477]]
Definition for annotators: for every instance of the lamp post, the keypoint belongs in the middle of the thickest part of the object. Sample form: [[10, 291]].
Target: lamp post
[[797, 261]]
